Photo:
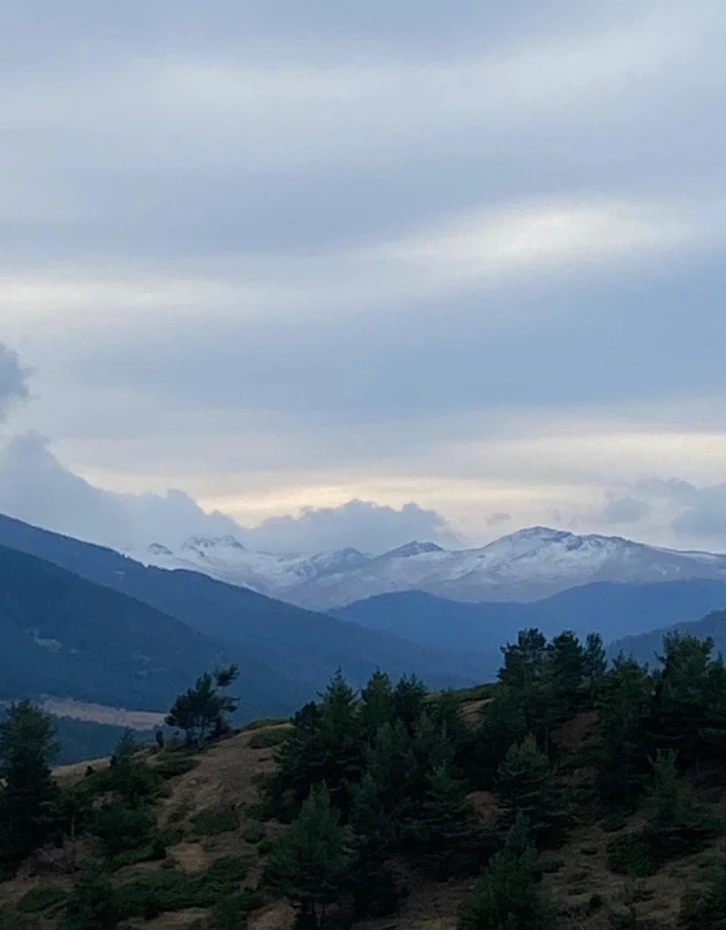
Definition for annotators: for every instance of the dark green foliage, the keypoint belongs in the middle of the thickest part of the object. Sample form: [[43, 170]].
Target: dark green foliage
[[231, 913], [92, 905], [174, 766], [309, 865], [677, 826], [508, 896], [447, 835], [526, 786], [622, 756], [632, 855], [29, 797], [215, 820], [374, 839], [266, 739], [706, 909], [409, 698], [121, 828], [42, 899], [595, 661], [203, 710], [164, 891], [377, 706]]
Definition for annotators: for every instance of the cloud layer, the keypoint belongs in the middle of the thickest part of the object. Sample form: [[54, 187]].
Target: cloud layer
[[290, 261]]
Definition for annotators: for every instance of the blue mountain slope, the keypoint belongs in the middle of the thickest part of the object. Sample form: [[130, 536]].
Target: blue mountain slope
[[615, 610]]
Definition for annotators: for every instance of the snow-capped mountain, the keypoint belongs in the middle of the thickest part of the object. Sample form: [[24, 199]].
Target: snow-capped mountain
[[526, 565]]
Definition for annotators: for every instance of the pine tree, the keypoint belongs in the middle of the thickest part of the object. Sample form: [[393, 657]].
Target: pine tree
[[393, 766], [29, 799], [202, 711], [503, 723], [525, 784], [677, 825], [310, 865], [377, 705], [409, 700], [447, 833], [595, 660], [508, 896], [623, 707], [374, 841], [566, 669]]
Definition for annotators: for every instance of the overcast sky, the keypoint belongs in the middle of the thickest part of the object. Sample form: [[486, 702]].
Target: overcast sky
[[280, 256]]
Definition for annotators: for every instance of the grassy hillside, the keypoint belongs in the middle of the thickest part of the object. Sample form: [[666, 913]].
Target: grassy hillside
[[610, 842]]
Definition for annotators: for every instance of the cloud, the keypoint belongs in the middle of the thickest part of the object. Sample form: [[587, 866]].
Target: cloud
[[13, 380], [622, 510], [365, 525], [498, 519], [37, 488]]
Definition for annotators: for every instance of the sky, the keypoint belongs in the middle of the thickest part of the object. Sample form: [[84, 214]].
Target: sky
[[326, 274]]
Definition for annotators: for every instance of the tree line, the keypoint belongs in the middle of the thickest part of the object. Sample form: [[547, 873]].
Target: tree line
[[383, 787]]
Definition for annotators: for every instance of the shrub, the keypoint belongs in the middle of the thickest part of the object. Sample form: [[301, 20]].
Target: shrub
[[231, 913], [266, 739], [216, 820], [122, 828], [633, 855], [174, 766], [265, 723], [175, 891], [42, 899], [254, 833]]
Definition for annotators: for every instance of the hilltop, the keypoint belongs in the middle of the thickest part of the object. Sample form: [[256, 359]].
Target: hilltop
[[553, 784]]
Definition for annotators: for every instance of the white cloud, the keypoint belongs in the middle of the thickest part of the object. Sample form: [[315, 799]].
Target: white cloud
[[37, 488]]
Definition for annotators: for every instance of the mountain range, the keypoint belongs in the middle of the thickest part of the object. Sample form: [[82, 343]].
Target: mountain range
[[613, 609], [83, 621], [524, 566]]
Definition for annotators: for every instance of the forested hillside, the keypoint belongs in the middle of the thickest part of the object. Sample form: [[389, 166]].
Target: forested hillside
[[568, 794]]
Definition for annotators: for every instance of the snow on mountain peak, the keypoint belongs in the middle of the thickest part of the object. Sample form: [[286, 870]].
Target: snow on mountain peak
[[412, 548], [201, 543], [526, 565]]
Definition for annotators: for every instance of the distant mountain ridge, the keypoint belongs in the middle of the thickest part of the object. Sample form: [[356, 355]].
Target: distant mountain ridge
[[525, 566], [613, 609], [298, 649]]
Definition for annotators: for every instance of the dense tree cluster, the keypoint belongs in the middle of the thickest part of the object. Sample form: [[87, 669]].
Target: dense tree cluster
[[388, 786]]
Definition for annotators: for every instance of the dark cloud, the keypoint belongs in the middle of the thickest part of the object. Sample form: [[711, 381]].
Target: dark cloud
[[498, 519]]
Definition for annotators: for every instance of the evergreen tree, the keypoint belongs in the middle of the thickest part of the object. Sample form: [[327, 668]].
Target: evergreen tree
[[340, 734], [203, 710], [393, 766], [447, 833], [503, 723], [508, 896], [681, 709], [374, 841], [377, 704], [525, 784], [677, 825], [29, 798], [309, 865], [566, 669], [595, 662], [621, 754], [409, 700]]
